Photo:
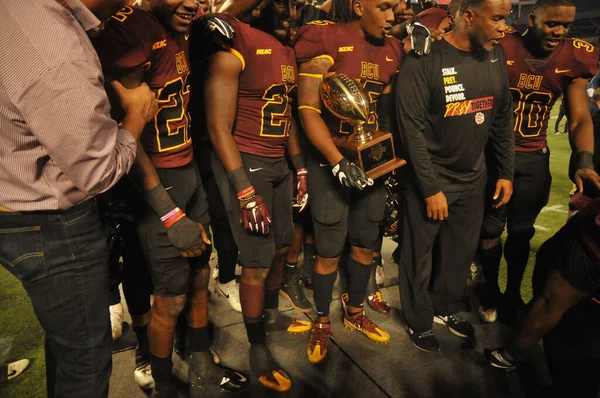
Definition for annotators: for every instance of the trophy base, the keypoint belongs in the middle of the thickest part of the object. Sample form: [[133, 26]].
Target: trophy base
[[375, 156]]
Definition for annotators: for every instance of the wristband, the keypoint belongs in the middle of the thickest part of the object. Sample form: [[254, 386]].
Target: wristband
[[172, 217], [246, 193], [583, 160], [298, 161], [239, 179], [301, 172]]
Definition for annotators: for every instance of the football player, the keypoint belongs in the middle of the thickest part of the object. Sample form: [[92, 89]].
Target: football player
[[174, 221], [542, 66], [248, 113], [350, 205]]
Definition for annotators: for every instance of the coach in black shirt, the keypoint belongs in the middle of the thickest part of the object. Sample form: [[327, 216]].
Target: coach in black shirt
[[449, 104]]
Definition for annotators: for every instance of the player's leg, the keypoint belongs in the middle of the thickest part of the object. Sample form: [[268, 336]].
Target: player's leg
[[330, 221], [223, 240], [418, 235], [453, 253], [573, 277], [291, 287], [256, 256], [531, 191], [308, 248], [374, 295], [206, 377], [366, 213]]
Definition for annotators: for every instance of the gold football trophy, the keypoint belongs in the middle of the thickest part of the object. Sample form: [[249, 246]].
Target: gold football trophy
[[372, 151]]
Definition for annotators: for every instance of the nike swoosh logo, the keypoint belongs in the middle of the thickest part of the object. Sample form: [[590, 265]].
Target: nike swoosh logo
[[187, 37], [561, 70], [167, 188], [494, 60], [388, 59], [253, 170], [224, 380], [241, 376], [324, 164]]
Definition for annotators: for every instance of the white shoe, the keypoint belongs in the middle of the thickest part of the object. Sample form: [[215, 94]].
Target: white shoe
[[238, 269], [143, 376], [487, 315], [116, 320], [16, 368], [231, 291], [379, 276], [215, 272]]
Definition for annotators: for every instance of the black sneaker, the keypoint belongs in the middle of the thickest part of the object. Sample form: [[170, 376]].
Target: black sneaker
[[293, 291], [496, 358], [456, 324], [425, 341], [165, 389], [208, 379]]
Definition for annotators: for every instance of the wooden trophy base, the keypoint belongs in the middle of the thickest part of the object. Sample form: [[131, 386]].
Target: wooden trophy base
[[375, 156]]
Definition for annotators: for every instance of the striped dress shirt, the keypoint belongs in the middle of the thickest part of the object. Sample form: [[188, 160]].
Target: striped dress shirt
[[58, 144]]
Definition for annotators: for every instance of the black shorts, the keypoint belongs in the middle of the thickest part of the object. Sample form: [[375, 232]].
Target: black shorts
[[531, 191], [340, 213], [272, 180], [169, 270], [565, 253]]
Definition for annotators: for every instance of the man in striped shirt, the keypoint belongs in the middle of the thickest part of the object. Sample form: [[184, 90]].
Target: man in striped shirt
[[59, 148]]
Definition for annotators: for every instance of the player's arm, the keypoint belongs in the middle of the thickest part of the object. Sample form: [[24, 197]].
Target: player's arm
[[240, 9], [581, 135], [299, 162], [220, 101], [502, 139], [412, 97], [310, 108], [183, 233]]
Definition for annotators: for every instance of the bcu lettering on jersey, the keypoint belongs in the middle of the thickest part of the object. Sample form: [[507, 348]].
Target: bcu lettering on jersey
[[372, 150], [457, 103]]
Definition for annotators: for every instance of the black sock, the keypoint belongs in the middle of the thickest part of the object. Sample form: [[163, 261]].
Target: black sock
[[309, 251], [256, 331], [516, 253], [490, 263], [271, 299], [141, 333], [198, 339], [323, 288], [162, 368], [357, 285]]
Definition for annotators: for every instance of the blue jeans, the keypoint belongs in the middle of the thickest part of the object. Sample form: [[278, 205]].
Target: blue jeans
[[61, 258]]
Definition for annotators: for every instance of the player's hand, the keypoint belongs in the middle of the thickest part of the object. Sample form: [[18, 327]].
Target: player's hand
[[301, 188], [255, 217], [139, 101], [189, 237], [436, 34], [504, 189], [350, 175], [437, 206], [420, 37], [216, 28], [587, 177]]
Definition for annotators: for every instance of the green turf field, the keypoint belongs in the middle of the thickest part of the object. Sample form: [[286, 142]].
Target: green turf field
[[21, 333]]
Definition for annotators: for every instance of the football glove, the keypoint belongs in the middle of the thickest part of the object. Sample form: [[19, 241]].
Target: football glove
[[350, 175], [301, 199], [420, 37], [255, 217], [215, 28]]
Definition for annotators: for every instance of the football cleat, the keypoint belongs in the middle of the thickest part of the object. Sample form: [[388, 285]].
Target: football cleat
[[277, 322], [377, 303], [268, 372], [16, 368], [367, 327], [277, 380], [317, 347]]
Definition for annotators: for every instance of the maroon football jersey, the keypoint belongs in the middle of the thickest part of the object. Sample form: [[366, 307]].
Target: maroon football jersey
[[371, 65], [134, 38], [432, 17], [536, 84], [269, 71]]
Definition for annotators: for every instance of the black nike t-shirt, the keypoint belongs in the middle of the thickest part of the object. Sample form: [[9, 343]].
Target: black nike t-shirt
[[448, 105]]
